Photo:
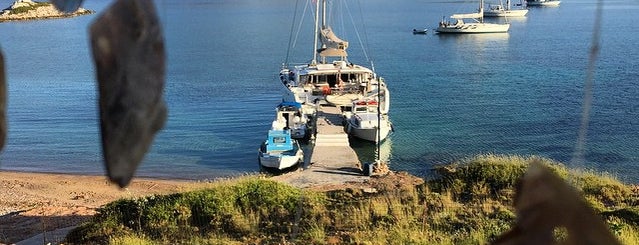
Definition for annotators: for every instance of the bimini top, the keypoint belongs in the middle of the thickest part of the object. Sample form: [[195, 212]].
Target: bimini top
[[334, 45], [290, 104]]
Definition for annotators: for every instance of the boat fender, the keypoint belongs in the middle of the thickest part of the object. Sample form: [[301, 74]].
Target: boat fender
[[326, 90]]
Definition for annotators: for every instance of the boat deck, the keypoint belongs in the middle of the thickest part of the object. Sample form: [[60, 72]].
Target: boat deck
[[332, 160]]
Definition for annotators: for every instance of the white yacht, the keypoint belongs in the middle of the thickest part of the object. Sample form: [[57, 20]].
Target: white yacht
[[547, 3], [501, 10], [365, 121], [477, 24]]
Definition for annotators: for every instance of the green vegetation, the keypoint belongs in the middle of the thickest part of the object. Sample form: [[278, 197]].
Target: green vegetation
[[24, 9], [469, 202]]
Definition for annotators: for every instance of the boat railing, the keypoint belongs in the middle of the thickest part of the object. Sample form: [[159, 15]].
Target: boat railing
[[346, 89]]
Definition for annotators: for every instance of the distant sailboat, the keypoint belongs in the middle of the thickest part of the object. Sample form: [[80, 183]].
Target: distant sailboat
[[501, 10], [548, 3], [477, 26]]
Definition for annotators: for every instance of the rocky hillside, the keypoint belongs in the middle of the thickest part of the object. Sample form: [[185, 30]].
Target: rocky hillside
[[30, 10]]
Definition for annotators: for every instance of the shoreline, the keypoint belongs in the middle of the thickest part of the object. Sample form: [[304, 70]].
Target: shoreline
[[36, 207], [102, 174], [35, 203]]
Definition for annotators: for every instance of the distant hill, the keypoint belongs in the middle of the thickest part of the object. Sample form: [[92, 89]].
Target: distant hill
[[30, 10]]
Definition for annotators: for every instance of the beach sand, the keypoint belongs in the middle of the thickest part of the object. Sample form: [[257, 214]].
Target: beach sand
[[39, 203]]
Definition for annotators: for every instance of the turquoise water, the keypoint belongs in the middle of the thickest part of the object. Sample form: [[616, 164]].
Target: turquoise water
[[452, 96]]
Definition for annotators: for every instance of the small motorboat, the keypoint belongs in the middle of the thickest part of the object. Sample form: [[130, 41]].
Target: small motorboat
[[420, 31], [280, 151], [365, 122], [293, 117]]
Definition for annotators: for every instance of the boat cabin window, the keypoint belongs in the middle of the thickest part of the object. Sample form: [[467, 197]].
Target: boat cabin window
[[279, 140], [361, 109], [346, 77], [304, 79], [332, 80]]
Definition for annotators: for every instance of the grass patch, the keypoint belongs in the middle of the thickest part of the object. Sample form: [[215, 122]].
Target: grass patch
[[469, 202]]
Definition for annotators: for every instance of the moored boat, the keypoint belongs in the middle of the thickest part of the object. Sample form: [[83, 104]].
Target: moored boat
[[460, 26], [546, 3], [329, 78], [279, 150], [366, 122], [501, 10], [293, 117], [420, 31]]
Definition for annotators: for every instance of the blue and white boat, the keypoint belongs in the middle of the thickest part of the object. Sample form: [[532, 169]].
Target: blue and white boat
[[280, 150]]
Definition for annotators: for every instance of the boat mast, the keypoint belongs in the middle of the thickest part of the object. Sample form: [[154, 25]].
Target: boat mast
[[507, 4], [314, 61], [323, 14], [379, 120], [323, 24], [481, 11]]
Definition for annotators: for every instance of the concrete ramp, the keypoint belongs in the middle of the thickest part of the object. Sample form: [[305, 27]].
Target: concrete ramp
[[332, 161]]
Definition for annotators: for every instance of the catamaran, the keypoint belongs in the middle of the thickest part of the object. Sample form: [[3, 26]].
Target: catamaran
[[329, 77]]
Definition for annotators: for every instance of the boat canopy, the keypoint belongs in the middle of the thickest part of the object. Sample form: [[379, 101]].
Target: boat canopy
[[290, 104], [332, 45], [331, 52], [279, 140]]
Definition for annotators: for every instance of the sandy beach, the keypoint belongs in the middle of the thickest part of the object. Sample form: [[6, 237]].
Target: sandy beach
[[39, 203]]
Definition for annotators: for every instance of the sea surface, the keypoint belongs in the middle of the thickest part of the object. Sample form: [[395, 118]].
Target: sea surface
[[452, 96]]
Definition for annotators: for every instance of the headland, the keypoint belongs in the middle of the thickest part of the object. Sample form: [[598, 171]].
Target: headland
[[22, 10]]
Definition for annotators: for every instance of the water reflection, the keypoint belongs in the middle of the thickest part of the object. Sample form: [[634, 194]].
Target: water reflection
[[475, 38], [521, 19], [367, 151], [478, 50]]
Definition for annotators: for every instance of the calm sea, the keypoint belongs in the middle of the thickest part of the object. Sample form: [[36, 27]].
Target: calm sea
[[452, 96]]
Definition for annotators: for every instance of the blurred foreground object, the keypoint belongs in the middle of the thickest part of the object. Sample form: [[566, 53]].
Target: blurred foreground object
[[546, 204], [67, 6], [128, 50], [3, 103]]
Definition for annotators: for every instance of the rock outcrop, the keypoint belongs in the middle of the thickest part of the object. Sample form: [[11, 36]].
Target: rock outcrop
[[30, 10]]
